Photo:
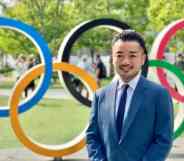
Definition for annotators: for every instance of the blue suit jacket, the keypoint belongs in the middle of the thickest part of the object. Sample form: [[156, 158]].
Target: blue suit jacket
[[147, 132]]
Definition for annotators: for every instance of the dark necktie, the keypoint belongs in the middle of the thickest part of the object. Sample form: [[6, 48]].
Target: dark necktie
[[121, 110]]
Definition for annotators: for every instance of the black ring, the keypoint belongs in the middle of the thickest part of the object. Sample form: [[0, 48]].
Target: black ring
[[70, 40]]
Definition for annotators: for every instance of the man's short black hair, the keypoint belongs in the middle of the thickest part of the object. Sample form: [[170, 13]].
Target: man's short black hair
[[131, 35]]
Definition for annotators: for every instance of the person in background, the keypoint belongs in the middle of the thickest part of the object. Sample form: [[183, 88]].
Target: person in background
[[31, 85], [20, 66], [100, 70], [84, 64]]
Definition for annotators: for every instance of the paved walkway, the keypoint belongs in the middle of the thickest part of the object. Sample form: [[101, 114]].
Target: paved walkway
[[51, 93], [177, 154]]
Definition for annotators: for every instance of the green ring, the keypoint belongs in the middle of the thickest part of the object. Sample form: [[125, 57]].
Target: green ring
[[170, 67], [180, 75]]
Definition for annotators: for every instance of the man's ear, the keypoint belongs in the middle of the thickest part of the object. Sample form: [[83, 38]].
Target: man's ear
[[144, 59]]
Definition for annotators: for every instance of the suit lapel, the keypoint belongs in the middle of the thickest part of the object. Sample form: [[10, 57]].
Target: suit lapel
[[111, 104], [138, 97]]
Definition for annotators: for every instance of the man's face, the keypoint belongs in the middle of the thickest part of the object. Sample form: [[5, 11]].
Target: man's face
[[128, 58]]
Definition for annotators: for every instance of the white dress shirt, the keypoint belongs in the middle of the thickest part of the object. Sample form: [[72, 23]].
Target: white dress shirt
[[120, 88]]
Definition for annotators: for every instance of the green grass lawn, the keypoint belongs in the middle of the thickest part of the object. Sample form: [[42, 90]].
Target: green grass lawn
[[50, 122]]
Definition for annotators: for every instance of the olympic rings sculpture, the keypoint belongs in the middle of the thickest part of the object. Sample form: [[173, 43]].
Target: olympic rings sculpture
[[62, 65]]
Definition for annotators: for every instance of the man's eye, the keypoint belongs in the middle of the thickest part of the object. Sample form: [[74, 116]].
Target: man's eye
[[132, 56], [118, 56]]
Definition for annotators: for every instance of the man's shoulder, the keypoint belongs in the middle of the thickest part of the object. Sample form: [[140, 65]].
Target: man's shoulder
[[154, 86], [106, 89]]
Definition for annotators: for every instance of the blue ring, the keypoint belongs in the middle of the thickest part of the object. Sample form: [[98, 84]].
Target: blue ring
[[37, 38]]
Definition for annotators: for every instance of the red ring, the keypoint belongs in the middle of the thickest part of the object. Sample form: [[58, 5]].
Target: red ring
[[161, 74]]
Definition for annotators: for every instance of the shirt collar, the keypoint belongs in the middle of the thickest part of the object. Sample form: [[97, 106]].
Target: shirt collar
[[132, 83]]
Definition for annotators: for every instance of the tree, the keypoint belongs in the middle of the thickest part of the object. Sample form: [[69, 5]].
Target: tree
[[45, 16], [132, 12], [161, 13], [55, 18]]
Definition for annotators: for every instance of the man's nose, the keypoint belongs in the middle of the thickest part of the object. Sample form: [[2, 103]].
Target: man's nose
[[125, 61]]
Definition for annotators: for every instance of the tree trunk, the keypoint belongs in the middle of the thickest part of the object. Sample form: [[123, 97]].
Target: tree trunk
[[111, 73], [92, 51]]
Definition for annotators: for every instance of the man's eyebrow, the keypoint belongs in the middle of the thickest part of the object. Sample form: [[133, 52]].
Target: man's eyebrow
[[133, 51], [119, 52]]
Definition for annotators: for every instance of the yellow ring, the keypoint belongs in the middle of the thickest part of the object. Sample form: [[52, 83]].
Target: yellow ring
[[76, 144]]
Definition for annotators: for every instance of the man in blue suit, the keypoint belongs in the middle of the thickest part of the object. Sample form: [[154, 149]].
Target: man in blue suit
[[131, 118]]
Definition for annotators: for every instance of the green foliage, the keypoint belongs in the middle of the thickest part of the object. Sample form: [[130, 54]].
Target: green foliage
[[55, 18], [163, 12], [6, 70], [14, 43], [45, 16], [97, 39]]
